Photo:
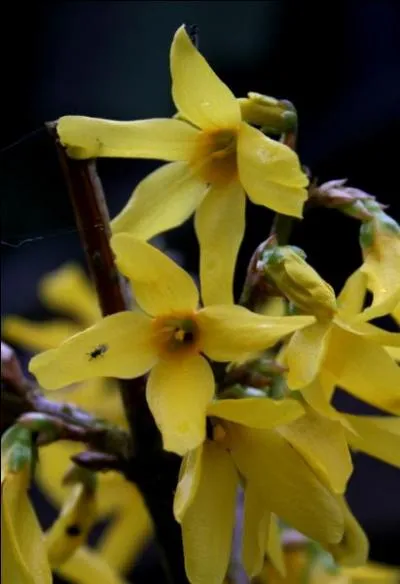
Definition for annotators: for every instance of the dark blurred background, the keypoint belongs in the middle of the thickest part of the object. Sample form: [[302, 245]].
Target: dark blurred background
[[337, 61]]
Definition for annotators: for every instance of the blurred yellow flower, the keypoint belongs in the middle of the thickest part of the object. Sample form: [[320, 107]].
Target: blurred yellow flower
[[215, 156], [67, 291], [303, 567], [168, 337], [23, 552], [252, 442]]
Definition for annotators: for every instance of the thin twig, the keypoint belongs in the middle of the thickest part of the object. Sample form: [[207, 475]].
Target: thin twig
[[22, 400]]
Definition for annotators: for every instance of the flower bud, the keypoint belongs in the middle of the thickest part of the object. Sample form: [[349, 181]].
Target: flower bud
[[299, 282], [267, 112]]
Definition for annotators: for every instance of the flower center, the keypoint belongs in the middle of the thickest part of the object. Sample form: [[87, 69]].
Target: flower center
[[176, 334], [215, 157]]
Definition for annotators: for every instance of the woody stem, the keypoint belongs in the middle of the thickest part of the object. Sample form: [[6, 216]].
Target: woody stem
[[282, 224], [153, 470]]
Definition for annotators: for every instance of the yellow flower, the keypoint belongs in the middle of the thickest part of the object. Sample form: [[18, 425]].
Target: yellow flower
[[215, 156], [86, 567], [67, 291], [167, 338], [252, 443], [380, 244], [342, 344], [23, 552]]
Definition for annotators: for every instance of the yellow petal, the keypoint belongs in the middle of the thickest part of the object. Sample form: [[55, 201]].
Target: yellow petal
[[23, 552], [270, 172], [188, 482], [256, 412], [373, 333], [373, 574], [396, 313], [119, 346], [385, 306], [68, 290], [377, 436], [133, 527], [273, 546], [229, 333], [163, 139], [161, 201], [79, 510], [37, 336], [305, 353], [220, 224], [322, 443], [318, 395], [178, 391], [199, 95], [255, 530], [207, 524], [159, 284], [87, 567], [352, 550], [351, 298], [286, 483], [364, 369]]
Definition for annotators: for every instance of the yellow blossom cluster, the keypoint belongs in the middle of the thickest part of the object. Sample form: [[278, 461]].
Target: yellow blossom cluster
[[289, 454]]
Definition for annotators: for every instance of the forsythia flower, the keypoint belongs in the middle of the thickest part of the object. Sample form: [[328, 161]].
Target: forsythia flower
[[23, 551], [167, 338], [341, 342], [68, 292], [254, 441], [216, 157]]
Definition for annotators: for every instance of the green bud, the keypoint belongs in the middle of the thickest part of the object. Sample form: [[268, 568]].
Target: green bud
[[299, 282], [239, 391], [20, 455], [367, 234], [270, 114], [278, 388], [17, 448]]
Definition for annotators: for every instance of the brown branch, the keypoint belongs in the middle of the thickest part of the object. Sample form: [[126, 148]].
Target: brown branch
[[22, 400], [152, 469]]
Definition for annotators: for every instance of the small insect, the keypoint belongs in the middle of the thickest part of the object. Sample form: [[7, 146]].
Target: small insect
[[98, 352]]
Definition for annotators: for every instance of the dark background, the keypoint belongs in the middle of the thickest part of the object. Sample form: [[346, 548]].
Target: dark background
[[337, 61]]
